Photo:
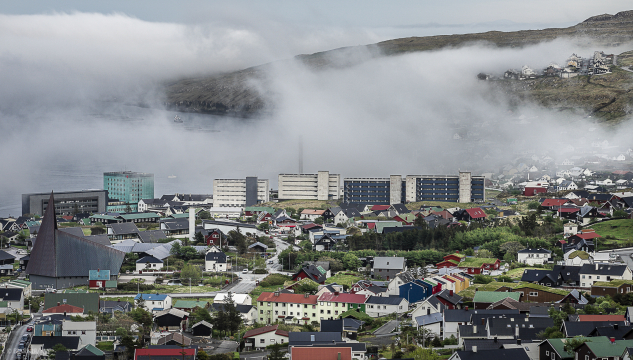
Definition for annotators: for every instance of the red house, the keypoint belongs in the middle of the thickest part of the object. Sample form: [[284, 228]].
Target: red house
[[97, 278], [553, 204], [479, 265], [534, 190], [264, 217], [476, 214], [451, 260], [405, 219], [213, 237], [311, 272]]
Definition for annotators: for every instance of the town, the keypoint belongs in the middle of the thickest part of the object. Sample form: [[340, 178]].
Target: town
[[529, 263]]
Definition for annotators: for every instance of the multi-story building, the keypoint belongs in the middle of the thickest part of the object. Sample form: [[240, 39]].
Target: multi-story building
[[240, 192], [333, 304], [463, 188], [126, 189], [296, 308], [321, 186], [66, 203]]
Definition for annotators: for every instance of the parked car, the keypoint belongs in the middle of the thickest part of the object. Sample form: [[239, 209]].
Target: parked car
[[21, 345], [245, 271], [29, 329]]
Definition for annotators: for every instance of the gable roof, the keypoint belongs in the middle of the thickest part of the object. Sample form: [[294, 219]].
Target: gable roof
[[151, 236], [48, 342], [342, 298], [149, 259], [494, 296], [87, 301], [264, 330], [390, 263], [65, 308], [476, 213], [515, 354], [217, 256], [602, 269]]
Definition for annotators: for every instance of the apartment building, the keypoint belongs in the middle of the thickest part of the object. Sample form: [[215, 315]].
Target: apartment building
[[320, 186], [290, 308], [240, 192]]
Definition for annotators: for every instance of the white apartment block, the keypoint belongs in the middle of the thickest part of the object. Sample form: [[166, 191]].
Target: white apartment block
[[240, 192], [321, 186]]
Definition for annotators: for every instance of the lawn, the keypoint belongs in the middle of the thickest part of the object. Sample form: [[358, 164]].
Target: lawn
[[621, 229], [105, 345], [342, 279], [492, 194]]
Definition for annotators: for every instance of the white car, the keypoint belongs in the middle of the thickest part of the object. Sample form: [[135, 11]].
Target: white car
[[245, 271]]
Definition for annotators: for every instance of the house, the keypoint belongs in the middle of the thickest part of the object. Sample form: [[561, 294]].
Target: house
[[151, 236], [216, 261], [257, 339], [577, 258], [258, 247], [171, 319], [248, 312], [415, 291], [122, 231], [311, 214], [592, 273], [610, 349], [451, 260], [293, 308], [64, 310], [393, 288], [611, 288], [98, 279], [483, 299], [332, 304], [153, 302], [377, 306], [85, 330], [554, 204], [473, 214], [41, 345], [312, 272], [170, 339], [348, 327], [106, 306], [148, 263], [201, 328], [567, 185], [538, 293], [388, 267], [431, 322], [87, 301], [427, 307], [570, 229], [479, 265], [449, 299], [189, 305], [324, 243], [534, 256], [213, 237], [88, 352]]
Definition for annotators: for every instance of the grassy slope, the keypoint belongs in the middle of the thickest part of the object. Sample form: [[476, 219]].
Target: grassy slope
[[620, 229]]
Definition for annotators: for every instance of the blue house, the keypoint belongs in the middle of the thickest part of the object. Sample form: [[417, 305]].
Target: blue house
[[415, 291]]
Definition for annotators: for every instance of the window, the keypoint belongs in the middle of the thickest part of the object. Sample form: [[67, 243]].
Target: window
[[83, 332], [262, 341], [276, 312], [272, 341], [553, 356], [321, 311], [261, 311], [313, 315], [533, 293], [546, 353], [312, 338]]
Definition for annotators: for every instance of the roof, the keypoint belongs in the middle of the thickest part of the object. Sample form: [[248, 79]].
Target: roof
[[100, 239], [64, 309], [172, 311], [99, 275], [202, 323], [554, 202], [602, 269], [584, 328], [6, 256], [258, 244], [243, 309], [87, 301], [342, 298], [151, 297], [321, 353], [48, 342], [149, 259], [217, 256], [471, 262], [123, 228], [190, 304], [486, 344], [305, 338], [265, 329], [288, 298], [601, 318], [391, 263], [151, 236], [515, 354], [59, 254], [446, 295], [429, 319], [385, 300], [136, 216], [494, 296], [607, 349], [534, 251], [476, 213]]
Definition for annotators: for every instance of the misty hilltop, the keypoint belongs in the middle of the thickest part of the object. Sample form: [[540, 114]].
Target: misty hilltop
[[247, 92]]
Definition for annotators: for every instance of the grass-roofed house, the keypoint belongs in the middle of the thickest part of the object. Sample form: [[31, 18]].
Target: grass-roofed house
[[473, 265], [60, 260], [483, 299], [611, 288]]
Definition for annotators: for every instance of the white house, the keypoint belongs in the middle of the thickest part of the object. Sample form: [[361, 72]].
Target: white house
[[570, 229], [431, 322], [86, 330], [377, 306], [591, 273], [257, 339], [427, 307], [394, 285], [149, 263], [311, 214], [567, 185], [154, 302], [215, 261], [534, 256], [238, 299], [577, 258]]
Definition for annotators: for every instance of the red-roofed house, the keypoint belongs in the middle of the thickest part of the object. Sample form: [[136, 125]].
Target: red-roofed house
[[321, 353], [601, 318], [475, 214], [290, 308], [380, 207], [311, 214], [332, 304], [257, 339], [148, 354], [64, 309], [451, 260], [578, 237], [535, 188], [444, 214], [554, 204]]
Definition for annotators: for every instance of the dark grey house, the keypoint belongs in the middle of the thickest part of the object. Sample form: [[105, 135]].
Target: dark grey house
[[386, 268]]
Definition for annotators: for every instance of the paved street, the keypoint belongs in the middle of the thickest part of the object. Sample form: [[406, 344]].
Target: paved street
[[12, 347], [388, 328]]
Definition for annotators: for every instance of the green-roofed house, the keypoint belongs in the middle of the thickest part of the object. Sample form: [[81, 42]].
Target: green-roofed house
[[451, 260], [539, 293], [105, 219], [604, 350], [381, 225], [148, 217], [472, 265], [554, 349], [256, 210], [483, 299], [188, 305]]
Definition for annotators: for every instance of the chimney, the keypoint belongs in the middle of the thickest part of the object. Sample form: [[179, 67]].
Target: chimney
[[450, 293], [615, 326], [466, 308], [306, 295], [475, 329], [483, 321], [474, 349], [58, 303], [495, 339], [518, 341], [596, 266], [276, 293], [612, 340]]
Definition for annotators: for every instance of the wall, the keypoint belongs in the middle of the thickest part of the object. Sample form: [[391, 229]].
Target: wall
[[269, 338], [36, 203], [465, 194], [541, 296]]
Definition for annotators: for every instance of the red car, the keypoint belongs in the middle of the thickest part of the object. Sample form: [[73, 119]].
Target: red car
[[29, 329]]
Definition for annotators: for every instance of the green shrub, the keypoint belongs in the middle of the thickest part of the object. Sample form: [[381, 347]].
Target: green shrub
[[274, 280], [260, 271]]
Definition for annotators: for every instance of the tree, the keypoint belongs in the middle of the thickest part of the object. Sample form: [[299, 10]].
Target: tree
[[128, 209], [620, 213], [483, 253], [424, 354], [202, 355], [97, 230], [198, 314], [319, 220], [351, 261], [188, 252], [511, 247], [263, 226], [199, 238], [191, 272], [557, 316], [275, 353], [573, 343], [59, 347], [550, 333], [130, 345], [227, 318], [175, 249], [204, 215], [143, 317]]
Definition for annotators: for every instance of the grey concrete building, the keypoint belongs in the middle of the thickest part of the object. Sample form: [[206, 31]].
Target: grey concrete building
[[240, 192], [320, 186], [66, 203]]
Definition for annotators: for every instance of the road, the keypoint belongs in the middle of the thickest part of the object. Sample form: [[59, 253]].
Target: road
[[12, 347], [388, 328]]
